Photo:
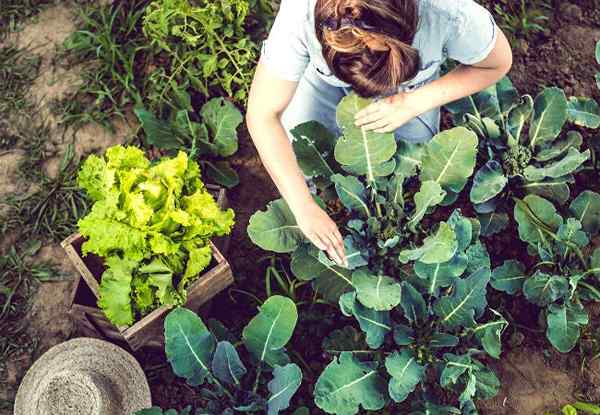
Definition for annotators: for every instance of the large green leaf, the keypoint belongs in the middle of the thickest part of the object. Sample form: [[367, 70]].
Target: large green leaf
[[431, 194], [560, 168], [536, 217], [480, 105], [490, 335], [436, 249], [226, 364], [189, 346], [275, 229], [584, 112], [347, 384], [586, 208], [358, 150], [549, 116], [488, 182], [570, 232], [375, 324], [476, 380], [564, 325], [543, 289], [450, 158], [574, 139], [285, 383], [432, 277], [378, 292], [518, 117], [352, 193], [313, 146], [468, 298], [507, 94], [161, 134], [329, 280], [408, 158], [222, 119], [266, 334], [509, 277], [406, 374]]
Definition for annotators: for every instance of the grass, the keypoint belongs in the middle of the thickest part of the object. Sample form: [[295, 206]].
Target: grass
[[19, 277], [522, 19], [18, 69], [51, 210], [111, 44]]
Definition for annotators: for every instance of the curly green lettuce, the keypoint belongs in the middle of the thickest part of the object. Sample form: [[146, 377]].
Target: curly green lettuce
[[152, 223]]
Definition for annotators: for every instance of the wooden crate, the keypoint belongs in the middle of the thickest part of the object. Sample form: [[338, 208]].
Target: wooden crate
[[147, 331], [220, 195]]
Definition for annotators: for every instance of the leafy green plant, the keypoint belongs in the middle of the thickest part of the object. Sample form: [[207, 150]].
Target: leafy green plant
[[579, 408], [198, 356], [522, 148], [210, 140], [206, 43], [565, 278], [598, 60], [151, 223], [522, 19], [425, 284]]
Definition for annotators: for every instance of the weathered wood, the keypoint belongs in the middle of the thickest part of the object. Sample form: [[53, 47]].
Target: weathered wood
[[148, 330], [220, 195]]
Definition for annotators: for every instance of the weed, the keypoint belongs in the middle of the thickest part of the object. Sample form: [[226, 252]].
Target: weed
[[14, 12], [522, 19], [18, 279], [18, 69]]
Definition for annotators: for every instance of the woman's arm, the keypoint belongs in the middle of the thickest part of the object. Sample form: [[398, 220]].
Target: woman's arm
[[391, 113], [269, 97]]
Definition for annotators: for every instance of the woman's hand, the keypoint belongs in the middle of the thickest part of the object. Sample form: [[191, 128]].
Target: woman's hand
[[387, 114], [322, 231]]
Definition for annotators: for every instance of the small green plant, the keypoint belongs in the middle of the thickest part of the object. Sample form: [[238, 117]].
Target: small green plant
[[579, 408], [152, 224], [598, 60], [18, 69], [215, 364], [523, 147], [14, 12], [205, 42], [522, 19], [209, 141], [424, 285], [565, 278]]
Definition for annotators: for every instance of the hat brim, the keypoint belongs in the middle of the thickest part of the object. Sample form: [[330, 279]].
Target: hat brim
[[91, 355]]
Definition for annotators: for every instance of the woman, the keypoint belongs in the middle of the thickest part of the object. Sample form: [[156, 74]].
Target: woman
[[319, 50]]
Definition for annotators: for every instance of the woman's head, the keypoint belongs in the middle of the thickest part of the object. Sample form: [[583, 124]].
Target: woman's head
[[367, 43]]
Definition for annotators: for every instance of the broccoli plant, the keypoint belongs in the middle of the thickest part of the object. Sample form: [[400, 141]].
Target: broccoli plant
[[423, 285], [523, 148], [209, 139], [566, 276], [196, 355]]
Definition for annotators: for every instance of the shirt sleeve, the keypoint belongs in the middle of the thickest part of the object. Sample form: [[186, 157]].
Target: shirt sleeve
[[472, 33], [285, 51]]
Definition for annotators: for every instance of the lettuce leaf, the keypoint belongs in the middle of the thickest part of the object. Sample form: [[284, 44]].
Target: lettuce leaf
[[115, 290]]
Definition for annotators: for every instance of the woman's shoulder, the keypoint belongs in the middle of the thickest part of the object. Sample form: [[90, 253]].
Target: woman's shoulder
[[450, 10], [298, 8]]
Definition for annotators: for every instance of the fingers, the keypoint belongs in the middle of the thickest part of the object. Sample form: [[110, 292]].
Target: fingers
[[369, 118], [316, 240], [336, 248], [371, 109], [377, 125]]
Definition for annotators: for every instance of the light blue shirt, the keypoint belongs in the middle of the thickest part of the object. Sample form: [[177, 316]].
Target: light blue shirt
[[458, 29]]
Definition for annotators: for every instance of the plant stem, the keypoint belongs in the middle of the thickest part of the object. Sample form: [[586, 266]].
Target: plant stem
[[256, 381]]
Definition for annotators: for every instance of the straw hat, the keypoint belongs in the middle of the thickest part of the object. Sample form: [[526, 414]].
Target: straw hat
[[83, 377]]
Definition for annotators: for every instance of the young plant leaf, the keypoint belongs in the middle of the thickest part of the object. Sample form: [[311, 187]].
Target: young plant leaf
[[115, 290], [226, 364], [431, 194], [403, 335], [574, 139], [406, 374], [346, 385], [437, 248], [275, 229], [266, 335], [467, 300], [493, 223], [378, 292], [352, 193], [413, 304], [436, 276], [222, 119], [556, 190], [543, 289], [221, 172], [536, 217], [584, 112], [564, 325], [313, 145], [488, 182], [189, 346], [586, 209], [490, 335], [560, 168], [549, 116], [517, 118], [509, 277], [285, 383], [375, 324]]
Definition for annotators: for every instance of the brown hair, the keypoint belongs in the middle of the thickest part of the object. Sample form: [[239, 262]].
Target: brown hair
[[367, 43]]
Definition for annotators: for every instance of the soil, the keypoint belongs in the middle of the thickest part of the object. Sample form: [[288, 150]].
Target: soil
[[535, 379]]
